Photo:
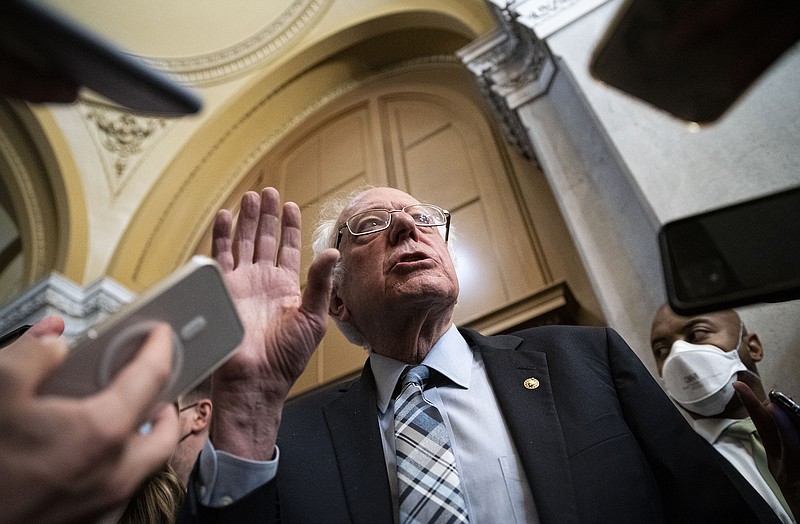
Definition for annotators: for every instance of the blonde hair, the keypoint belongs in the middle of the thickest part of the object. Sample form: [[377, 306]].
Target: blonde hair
[[157, 500]]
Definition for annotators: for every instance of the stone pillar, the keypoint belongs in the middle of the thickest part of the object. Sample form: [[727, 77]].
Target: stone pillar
[[540, 106], [80, 307]]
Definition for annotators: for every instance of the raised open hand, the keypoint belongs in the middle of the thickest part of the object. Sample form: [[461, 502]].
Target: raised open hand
[[260, 259]]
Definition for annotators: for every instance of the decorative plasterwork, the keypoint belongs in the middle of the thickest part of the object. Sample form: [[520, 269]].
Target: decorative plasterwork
[[122, 139], [546, 17], [293, 22], [512, 67], [80, 308]]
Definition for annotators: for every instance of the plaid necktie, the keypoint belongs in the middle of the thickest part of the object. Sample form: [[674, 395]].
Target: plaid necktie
[[426, 470], [745, 431]]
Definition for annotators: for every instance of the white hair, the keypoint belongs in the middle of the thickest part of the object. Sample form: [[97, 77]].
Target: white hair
[[324, 237]]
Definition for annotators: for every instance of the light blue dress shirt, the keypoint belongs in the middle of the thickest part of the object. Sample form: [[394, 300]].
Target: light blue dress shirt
[[494, 483]]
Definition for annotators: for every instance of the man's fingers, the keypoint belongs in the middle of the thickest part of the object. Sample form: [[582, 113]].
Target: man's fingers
[[146, 452], [789, 432], [267, 234], [244, 235], [291, 238], [156, 447], [49, 325], [31, 360], [317, 294], [136, 388], [761, 418], [221, 240]]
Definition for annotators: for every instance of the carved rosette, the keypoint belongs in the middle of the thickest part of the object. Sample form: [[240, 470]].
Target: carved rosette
[[512, 67], [123, 138]]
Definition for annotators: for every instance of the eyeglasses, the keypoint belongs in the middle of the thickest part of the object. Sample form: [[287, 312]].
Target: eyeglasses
[[374, 220], [184, 408]]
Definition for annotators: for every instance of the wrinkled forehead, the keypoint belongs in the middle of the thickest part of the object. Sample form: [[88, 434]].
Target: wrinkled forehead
[[377, 198]]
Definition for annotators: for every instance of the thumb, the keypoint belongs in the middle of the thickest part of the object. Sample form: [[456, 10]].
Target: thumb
[[317, 294], [30, 360], [50, 325]]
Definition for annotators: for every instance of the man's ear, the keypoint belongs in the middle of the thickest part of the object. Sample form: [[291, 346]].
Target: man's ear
[[337, 309], [204, 409], [754, 348]]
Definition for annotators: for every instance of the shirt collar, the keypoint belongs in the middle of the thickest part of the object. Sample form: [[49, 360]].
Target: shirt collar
[[450, 356]]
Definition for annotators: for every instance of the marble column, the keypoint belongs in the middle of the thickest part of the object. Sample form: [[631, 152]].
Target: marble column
[[544, 114]]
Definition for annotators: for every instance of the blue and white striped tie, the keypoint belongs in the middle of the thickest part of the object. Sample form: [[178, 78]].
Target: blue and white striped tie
[[426, 470]]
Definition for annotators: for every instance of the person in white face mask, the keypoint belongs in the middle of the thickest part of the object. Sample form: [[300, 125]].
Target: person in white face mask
[[699, 358]]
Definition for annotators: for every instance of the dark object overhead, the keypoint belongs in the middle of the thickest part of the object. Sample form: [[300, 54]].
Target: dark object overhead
[[734, 256], [56, 45], [694, 58]]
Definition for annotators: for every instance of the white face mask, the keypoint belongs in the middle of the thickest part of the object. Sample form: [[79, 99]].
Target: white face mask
[[700, 377]]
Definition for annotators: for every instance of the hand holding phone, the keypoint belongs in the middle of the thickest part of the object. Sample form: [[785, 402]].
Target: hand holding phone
[[205, 331], [787, 404], [91, 444]]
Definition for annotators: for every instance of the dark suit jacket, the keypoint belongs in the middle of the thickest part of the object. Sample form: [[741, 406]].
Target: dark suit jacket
[[599, 440]]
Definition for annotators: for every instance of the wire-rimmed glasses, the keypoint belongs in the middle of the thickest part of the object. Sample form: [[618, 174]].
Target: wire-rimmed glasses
[[374, 220]]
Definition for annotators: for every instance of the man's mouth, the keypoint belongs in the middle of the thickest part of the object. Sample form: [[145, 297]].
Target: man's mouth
[[412, 257], [409, 260]]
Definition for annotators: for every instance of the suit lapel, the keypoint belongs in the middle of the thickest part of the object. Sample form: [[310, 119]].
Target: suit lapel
[[352, 421], [531, 415]]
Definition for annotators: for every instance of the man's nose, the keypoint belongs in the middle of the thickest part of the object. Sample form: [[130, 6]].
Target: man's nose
[[402, 226]]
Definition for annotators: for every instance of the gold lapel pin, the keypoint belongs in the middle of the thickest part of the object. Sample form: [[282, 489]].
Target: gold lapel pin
[[531, 383]]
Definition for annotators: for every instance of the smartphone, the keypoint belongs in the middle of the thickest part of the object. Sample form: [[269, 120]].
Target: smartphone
[[734, 256], [48, 39], [791, 406], [206, 330], [13, 335], [694, 58]]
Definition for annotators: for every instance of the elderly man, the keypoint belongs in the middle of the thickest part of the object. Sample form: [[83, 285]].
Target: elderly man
[[700, 358], [555, 424]]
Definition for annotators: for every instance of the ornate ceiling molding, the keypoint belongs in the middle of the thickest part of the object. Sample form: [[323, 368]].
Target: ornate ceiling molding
[[122, 140], [293, 22], [512, 67], [546, 17], [80, 307]]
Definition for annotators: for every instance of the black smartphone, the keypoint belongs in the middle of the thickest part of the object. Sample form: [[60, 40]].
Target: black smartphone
[[733, 256], [13, 335], [694, 58], [48, 39], [787, 402]]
